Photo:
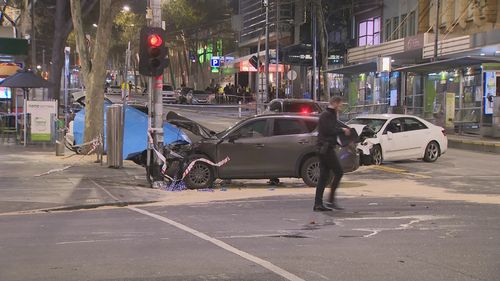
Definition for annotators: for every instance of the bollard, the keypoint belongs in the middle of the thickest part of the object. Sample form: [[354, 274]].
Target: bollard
[[60, 132], [239, 109], [114, 136]]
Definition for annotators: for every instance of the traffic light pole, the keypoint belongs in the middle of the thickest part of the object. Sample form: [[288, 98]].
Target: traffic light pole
[[155, 92]]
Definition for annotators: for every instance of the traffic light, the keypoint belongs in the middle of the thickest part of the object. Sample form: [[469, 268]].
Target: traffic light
[[153, 52]]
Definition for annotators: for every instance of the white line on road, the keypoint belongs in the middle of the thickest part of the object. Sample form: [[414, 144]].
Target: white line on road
[[107, 192], [92, 241], [287, 275]]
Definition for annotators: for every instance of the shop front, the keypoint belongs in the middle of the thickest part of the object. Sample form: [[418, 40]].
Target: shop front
[[453, 93], [367, 91]]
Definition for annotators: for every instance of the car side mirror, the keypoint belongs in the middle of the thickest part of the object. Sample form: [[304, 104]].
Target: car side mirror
[[389, 135]]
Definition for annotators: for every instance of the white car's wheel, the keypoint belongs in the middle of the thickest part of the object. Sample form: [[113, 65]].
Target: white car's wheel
[[432, 152], [377, 155]]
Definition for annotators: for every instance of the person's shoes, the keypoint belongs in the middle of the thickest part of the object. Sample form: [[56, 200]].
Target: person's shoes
[[334, 205], [321, 208]]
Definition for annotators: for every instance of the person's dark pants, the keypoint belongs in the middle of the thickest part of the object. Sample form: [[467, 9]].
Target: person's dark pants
[[328, 162]]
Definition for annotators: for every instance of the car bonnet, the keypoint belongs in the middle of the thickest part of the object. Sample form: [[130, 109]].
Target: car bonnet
[[190, 125]]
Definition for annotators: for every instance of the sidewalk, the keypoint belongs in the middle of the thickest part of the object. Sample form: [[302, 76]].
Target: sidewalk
[[474, 143], [33, 179]]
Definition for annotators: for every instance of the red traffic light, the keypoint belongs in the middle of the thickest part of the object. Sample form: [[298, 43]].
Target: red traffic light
[[154, 40]]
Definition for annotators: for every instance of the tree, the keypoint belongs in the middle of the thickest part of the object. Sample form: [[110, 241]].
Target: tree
[[63, 25], [94, 63]]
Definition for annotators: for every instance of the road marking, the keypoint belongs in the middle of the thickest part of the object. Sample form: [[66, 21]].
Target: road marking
[[398, 171], [106, 191], [404, 226], [92, 241], [268, 265]]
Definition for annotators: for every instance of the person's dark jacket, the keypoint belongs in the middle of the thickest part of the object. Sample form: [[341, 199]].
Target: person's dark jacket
[[328, 128]]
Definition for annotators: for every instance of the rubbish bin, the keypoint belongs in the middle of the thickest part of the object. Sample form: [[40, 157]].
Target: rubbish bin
[[60, 134], [114, 135]]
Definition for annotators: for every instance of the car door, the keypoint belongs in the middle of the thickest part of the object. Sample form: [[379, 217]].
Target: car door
[[245, 147], [395, 141], [418, 136], [290, 139]]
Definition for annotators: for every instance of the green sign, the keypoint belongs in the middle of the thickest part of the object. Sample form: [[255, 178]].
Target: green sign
[[13, 46], [214, 69], [491, 66]]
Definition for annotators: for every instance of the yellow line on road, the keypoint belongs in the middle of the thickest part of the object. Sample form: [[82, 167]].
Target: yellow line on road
[[398, 171]]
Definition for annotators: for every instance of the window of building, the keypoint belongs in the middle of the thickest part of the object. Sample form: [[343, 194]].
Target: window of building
[[369, 32], [404, 26], [388, 30], [411, 24], [395, 26]]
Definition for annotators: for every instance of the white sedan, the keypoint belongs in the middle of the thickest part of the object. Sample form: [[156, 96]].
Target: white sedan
[[400, 137]]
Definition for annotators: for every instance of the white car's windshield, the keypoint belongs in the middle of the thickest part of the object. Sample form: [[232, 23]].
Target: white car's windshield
[[374, 124]]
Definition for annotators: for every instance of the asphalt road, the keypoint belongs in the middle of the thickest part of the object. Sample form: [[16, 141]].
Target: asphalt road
[[377, 237]]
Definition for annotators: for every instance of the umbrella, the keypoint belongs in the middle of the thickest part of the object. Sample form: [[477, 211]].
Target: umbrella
[[25, 79]]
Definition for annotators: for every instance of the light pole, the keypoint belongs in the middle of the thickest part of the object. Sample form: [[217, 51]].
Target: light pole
[[315, 51], [266, 90], [277, 48]]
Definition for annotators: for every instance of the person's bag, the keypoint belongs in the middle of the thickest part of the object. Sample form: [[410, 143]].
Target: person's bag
[[344, 140]]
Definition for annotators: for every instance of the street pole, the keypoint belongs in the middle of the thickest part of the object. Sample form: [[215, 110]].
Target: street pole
[[125, 75], [33, 44], [266, 90], [43, 71], [155, 93], [436, 31], [258, 96], [315, 52], [277, 48]]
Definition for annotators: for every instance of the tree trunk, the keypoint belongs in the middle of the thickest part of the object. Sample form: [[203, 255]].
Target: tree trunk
[[94, 119], [76, 13], [62, 28]]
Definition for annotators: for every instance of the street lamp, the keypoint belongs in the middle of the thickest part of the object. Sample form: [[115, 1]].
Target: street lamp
[[126, 8]]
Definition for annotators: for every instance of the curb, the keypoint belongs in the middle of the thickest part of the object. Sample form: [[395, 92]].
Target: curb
[[95, 206], [475, 145]]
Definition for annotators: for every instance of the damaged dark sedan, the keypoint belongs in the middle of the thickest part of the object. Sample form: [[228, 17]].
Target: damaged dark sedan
[[261, 147]]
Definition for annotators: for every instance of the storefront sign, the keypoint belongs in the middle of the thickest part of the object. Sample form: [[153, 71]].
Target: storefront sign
[[414, 42], [41, 113]]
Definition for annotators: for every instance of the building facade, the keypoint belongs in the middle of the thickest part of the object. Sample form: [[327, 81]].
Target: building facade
[[400, 65]]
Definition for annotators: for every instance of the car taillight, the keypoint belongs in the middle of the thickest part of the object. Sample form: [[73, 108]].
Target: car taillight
[[444, 132], [305, 110]]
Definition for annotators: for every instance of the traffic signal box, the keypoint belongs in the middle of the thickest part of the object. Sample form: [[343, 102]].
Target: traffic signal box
[[153, 52]]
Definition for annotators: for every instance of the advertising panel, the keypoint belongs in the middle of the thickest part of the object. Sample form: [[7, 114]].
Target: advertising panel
[[41, 113]]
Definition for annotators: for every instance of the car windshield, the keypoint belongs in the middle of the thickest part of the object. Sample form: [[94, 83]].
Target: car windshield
[[374, 124], [301, 107], [167, 88]]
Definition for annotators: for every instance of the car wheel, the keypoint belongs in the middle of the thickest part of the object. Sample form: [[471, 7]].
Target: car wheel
[[200, 176], [310, 171], [377, 155], [431, 152]]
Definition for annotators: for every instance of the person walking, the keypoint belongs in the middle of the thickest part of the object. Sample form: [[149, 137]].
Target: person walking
[[328, 131]]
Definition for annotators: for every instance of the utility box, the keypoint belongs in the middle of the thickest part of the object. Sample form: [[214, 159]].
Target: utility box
[[114, 135]]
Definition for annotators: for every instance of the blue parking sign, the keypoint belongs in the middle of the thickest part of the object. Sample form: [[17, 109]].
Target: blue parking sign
[[215, 62]]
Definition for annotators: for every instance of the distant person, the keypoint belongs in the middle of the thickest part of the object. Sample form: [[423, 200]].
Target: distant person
[[328, 131]]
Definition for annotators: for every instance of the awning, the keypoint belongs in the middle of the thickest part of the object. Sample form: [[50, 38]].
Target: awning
[[448, 64], [247, 57], [355, 69]]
